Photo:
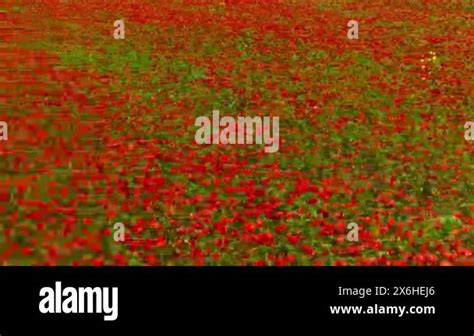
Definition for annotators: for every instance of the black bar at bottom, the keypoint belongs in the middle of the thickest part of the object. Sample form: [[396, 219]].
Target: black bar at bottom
[[174, 300]]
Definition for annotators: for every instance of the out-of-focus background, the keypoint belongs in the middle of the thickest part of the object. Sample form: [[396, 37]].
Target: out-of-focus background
[[101, 131]]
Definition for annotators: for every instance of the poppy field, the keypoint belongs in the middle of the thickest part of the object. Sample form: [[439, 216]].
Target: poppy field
[[102, 131]]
